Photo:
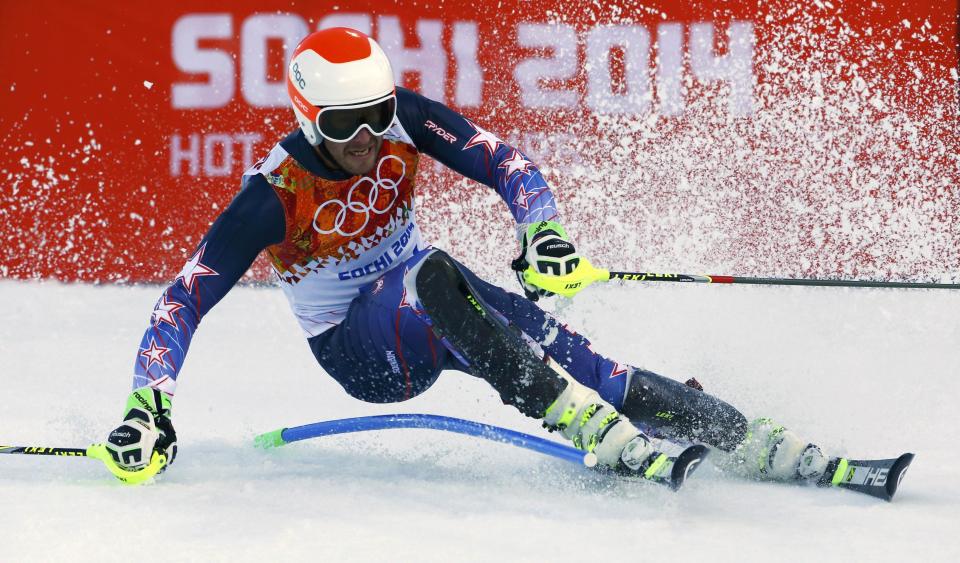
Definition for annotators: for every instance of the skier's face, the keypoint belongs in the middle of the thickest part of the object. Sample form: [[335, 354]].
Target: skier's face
[[357, 156]]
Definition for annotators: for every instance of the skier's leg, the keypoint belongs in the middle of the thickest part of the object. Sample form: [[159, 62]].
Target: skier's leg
[[491, 349], [675, 410], [383, 351], [659, 405], [760, 449], [682, 412]]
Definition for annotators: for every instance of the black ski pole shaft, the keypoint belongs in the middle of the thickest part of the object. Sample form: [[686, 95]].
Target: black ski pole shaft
[[689, 278], [39, 450]]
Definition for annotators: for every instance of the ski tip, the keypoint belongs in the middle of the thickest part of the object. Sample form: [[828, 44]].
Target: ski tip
[[897, 471], [686, 463]]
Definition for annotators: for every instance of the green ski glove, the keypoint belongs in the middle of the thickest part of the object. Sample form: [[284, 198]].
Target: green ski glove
[[549, 263], [146, 430]]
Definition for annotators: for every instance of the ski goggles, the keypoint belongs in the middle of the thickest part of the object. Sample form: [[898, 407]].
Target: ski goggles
[[341, 123]]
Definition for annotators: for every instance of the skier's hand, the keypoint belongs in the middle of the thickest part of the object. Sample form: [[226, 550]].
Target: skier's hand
[[549, 263], [146, 430]]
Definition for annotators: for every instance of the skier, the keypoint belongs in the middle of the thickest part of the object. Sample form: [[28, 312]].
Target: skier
[[332, 205]]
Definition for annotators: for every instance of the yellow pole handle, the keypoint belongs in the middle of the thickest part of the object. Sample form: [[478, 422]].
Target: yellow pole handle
[[157, 462], [570, 284]]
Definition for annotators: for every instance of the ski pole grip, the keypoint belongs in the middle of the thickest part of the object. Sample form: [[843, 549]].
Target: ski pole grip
[[157, 462], [570, 284]]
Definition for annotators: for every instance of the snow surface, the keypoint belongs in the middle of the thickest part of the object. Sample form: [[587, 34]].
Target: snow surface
[[869, 373]]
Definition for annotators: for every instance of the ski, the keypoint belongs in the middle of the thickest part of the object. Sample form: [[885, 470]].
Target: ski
[[671, 471], [875, 477]]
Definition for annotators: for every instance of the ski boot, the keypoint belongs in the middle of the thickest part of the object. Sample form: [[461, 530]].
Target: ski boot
[[593, 425], [771, 452]]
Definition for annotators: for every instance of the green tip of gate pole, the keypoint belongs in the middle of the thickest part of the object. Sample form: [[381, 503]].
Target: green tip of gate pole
[[273, 439]]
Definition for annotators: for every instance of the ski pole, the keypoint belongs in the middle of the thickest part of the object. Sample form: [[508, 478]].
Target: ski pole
[[645, 276], [586, 274], [38, 450], [98, 452]]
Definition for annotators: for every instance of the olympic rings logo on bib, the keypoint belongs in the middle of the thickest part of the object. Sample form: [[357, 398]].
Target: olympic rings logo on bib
[[347, 212]]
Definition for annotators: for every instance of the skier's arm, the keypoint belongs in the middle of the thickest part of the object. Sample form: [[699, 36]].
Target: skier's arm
[[253, 221], [467, 148]]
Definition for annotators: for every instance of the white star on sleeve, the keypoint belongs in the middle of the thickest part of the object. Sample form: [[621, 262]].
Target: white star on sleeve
[[154, 354], [516, 163], [163, 313], [483, 138], [194, 269], [523, 198]]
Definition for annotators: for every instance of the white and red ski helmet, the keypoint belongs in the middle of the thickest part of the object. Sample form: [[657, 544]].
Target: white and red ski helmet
[[335, 67]]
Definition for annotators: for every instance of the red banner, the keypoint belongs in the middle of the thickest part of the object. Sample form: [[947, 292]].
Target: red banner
[[816, 139]]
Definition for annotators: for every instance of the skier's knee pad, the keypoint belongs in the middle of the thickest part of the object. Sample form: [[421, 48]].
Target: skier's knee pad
[[681, 412], [479, 336]]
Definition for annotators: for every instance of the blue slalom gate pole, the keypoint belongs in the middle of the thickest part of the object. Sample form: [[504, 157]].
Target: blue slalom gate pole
[[284, 436]]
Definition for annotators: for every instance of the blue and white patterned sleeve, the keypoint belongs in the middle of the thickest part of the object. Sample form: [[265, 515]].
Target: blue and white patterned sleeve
[[253, 221], [467, 148]]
